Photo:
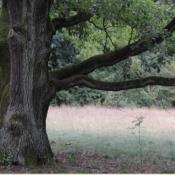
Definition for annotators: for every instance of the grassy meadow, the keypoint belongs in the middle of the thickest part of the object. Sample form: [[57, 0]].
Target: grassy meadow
[[117, 133], [94, 139]]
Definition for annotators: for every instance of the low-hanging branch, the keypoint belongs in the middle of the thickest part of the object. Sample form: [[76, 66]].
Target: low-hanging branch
[[85, 81], [113, 57], [80, 17]]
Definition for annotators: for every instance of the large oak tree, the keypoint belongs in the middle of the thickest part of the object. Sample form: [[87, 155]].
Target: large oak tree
[[25, 37]]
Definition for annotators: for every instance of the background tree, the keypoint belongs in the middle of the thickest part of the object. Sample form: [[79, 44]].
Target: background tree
[[23, 137]]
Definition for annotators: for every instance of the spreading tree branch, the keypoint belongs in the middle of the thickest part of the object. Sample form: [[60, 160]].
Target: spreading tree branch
[[59, 23], [113, 57], [85, 81]]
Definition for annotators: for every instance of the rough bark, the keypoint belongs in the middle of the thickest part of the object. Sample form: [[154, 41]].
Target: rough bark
[[23, 137], [4, 64]]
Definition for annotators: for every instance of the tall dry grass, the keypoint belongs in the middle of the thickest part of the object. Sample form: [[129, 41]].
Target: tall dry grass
[[110, 130], [106, 119]]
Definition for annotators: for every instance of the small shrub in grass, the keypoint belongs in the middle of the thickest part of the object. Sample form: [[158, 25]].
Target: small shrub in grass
[[72, 158], [137, 125]]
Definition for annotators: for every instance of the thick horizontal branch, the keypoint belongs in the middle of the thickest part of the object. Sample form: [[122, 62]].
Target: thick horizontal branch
[[85, 81], [59, 23], [113, 57]]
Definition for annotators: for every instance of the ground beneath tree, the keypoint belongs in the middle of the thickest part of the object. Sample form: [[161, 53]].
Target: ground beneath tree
[[94, 163], [94, 139]]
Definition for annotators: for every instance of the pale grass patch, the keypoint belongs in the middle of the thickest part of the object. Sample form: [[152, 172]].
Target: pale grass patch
[[105, 119], [108, 130]]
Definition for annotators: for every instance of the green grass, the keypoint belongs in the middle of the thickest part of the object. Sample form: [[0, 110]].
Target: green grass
[[111, 145], [114, 142]]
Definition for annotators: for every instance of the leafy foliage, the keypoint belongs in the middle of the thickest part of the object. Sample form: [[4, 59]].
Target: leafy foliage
[[63, 52], [114, 24]]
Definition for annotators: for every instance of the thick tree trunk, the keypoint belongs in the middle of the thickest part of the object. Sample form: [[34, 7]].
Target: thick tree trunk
[[23, 138], [4, 64]]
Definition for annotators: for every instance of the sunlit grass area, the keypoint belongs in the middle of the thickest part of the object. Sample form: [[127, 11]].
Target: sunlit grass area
[[115, 132]]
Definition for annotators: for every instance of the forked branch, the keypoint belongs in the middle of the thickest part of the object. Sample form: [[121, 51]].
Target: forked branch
[[113, 57]]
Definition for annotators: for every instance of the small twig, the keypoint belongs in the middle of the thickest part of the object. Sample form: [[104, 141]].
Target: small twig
[[104, 28], [107, 34], [137, 124], [131, 35]]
